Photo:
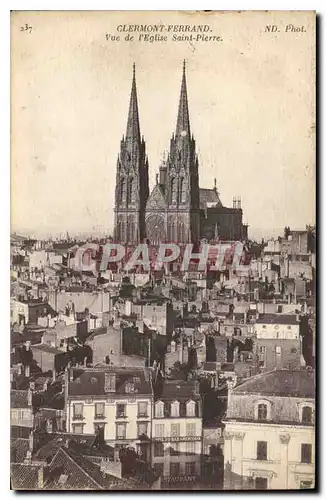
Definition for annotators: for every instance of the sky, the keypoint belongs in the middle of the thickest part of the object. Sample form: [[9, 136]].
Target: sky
[[252, 112]]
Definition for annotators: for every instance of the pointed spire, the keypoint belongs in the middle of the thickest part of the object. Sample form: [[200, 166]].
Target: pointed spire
[[133, 129], [183, 125]]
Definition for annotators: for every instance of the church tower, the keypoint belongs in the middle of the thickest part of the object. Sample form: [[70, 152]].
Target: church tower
[[131, 191], [179, 175]]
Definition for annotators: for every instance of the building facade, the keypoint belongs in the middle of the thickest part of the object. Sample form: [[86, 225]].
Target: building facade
[[176, 209], [177, 432], [269, 432], [113, 402]]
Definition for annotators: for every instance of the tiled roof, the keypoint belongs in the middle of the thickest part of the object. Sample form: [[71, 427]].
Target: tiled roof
[[208, 196], [24, 477], [69, 471], [92, 382], [297, 383]]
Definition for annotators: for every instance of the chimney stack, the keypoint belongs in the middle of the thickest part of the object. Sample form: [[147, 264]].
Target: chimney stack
[[40, 478], [27, 371]]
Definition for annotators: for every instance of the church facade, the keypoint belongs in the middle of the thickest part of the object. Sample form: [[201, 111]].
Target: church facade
[[176, 209]]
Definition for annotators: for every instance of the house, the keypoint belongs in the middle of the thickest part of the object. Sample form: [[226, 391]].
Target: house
[[270, 432], [177, 432], [115, 402], [277, 342]]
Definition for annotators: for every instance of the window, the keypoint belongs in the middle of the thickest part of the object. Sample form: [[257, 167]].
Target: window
[[191, 429], [305, 485], [306, 453], [307, 415], [78, 410], [158, 450], [175, 409], [175, 430], [159, 430], [159, 469], [191, 406], [190, 468], [264, 326], [278, 349], [174, 469], [289, 327], [173, 190], [129, 388], [142, 429], [77, 429], [262, 349], [261, 483], [121, 431], [190, 447], [142, 409], [99, 410], [159, 409], [121, 411], [261, 450], [262, 412]]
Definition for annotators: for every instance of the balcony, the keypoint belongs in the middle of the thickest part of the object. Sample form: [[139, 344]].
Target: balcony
[[78, 417], [177, 439], [142, 415], [99, 417], [120, 415]]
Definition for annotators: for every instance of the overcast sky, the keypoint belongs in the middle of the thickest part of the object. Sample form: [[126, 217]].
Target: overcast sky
[[251, 100]]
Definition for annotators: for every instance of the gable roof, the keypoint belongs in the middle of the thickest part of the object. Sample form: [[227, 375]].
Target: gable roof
[[24, 476], [156, 199], [69, 471]]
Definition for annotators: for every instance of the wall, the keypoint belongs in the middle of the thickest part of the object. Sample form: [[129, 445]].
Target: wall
[[110, 416], [283, 466], [290, 356], [184, 456], [95, 302]]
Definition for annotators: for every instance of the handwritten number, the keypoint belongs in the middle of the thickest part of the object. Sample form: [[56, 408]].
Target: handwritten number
[[26, 27]]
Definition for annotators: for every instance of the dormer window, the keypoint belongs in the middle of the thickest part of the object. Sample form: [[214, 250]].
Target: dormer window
[[175, 409], [159, 409], [306, 417], [262, 410], [191, 407]]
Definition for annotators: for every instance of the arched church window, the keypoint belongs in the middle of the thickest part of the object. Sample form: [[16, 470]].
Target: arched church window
[[183, 191], [173, 190]]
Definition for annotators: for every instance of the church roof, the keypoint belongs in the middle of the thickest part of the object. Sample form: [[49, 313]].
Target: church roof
[[207, 196]]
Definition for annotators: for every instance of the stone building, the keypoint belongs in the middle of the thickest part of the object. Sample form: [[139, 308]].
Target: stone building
[[269, 432], [176, 209]]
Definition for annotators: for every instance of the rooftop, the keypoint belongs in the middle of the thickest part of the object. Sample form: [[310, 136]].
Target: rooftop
[[284, 383], [92, 382], [278, 319]]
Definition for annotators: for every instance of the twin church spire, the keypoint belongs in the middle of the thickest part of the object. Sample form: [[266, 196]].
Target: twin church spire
[[178, 179]]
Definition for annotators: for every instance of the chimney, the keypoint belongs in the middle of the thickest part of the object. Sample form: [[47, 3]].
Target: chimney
[[28, 459], [27, 371], [54, 375], [71, 374], [257, 314], [109, 382], [27, 345], [20, 368]]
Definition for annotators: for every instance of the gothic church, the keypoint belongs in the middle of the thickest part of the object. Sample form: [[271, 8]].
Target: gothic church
[[176, 209]]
